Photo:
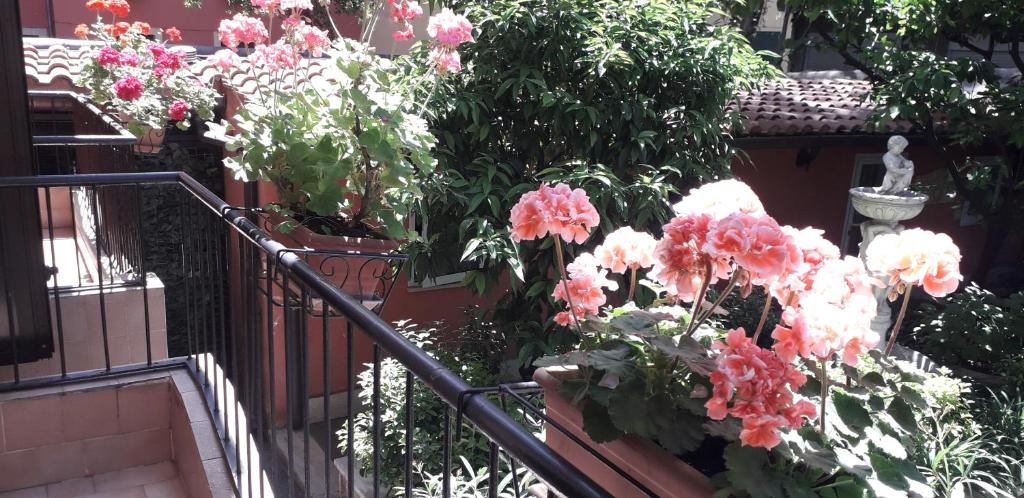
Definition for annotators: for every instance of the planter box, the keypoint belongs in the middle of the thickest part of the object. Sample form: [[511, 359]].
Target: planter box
[[658, 470]]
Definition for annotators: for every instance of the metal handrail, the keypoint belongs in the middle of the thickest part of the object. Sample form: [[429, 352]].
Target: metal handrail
[[485, 415]]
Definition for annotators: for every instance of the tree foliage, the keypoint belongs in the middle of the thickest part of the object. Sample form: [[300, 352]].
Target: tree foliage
[[624, 99], [954, 100]]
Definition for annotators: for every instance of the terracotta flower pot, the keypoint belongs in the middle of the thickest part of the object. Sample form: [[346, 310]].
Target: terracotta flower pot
[[351, 265], [658, 470]]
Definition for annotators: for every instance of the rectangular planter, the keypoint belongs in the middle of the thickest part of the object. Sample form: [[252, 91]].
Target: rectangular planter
[[660, 471]]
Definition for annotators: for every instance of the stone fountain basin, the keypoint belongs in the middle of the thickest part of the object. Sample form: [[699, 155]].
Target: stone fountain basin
[[887, 207]]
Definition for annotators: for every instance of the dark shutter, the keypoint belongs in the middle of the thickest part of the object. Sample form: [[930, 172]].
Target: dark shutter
[[24, 304]]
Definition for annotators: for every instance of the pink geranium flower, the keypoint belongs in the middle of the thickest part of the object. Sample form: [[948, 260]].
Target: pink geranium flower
[[586, 286], [242, 29], [108, 56], [224, 59], [681, 260], [445, 60], [560, 211], [312, 39], [450, 29], [756, 243], [178, 110], [276, 56], [720, 199], [286, 5], [626, 249], [128, 88], [816, 250], [832, 317], [761, 388], [917, 257]]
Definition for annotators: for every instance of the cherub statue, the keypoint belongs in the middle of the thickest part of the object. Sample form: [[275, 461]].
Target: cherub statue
[[898, 169]]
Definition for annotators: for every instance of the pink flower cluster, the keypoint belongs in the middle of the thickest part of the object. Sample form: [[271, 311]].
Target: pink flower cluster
[[404, 12], [128, 88], [559, 211], [586, 283], [681, 260], [756, 243], [626, 249], [276, 56], [720, 199], [165, 62], [178, 110], [449, 30], [110, 56], [831, 317], [224, 59], [307, 38], [242, 29], [816, 250], [761, 388], [917, 257]]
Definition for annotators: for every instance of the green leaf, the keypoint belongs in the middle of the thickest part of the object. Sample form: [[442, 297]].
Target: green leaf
[[851, 410], [598, 424], [749, 471], [903, 414], [888, 471]]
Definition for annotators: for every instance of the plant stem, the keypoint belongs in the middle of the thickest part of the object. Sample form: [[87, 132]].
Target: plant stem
[[899, 320], [721, 298], [824, 394], [764, 314], [632, 285], [704, 283], [565, 282]]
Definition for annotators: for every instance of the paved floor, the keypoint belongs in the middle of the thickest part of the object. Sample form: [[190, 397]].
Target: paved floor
[[149, 481]]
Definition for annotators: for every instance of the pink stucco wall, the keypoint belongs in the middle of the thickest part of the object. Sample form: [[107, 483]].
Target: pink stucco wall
[[197, 25]]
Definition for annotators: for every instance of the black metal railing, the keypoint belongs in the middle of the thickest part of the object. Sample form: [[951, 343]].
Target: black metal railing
[[266, 333]]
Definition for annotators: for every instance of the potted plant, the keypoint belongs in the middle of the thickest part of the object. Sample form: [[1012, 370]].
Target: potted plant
[[337, 159], [688, 409], [346, 152], [145, 81]]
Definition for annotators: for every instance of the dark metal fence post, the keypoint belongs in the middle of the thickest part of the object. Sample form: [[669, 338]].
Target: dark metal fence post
[[294, 361]]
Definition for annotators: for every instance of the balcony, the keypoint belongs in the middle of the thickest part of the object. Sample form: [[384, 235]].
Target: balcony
[[272, 373]]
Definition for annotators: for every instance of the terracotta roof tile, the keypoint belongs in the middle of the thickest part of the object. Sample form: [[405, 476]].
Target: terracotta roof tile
[[54, 64], [246, 79], [809, 107]]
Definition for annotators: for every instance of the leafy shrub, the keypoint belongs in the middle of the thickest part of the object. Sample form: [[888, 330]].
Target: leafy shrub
[[469, 359], [974, 329], [624, 99]]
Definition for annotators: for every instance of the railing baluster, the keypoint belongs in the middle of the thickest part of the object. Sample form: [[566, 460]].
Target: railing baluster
[[289, 367], [58, 312], [99, 279], [329, 437], [304, 375], [446, 455], [377, 429], [145, 276], [351, 417], [410, 385]]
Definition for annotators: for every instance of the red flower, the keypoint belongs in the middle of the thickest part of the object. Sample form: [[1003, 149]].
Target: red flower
[[142, 27], [128, 88], [96, 5], [172, 34], [119, 8], [178, 110], [118, 29], [82, 31]]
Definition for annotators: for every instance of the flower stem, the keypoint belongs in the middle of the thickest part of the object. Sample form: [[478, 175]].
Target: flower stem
[[764, 315], [704, 283], [824, 394], [565, 282], [899, 320], [721, 298], [632, 285]]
